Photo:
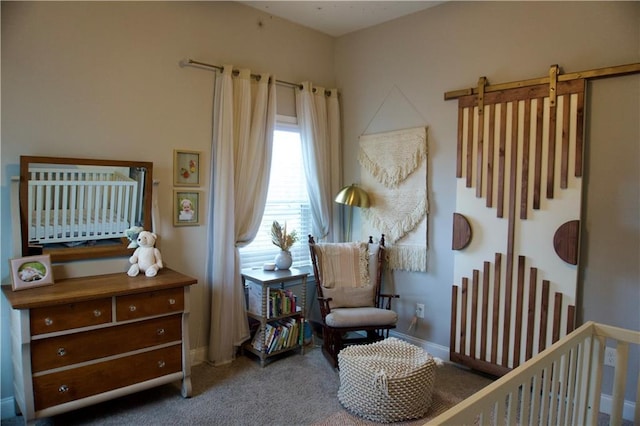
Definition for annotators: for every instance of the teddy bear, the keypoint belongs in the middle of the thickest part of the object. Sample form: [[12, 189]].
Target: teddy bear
[[146, 258]]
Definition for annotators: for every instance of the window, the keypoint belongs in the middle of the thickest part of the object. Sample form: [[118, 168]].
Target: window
[[287, 201]]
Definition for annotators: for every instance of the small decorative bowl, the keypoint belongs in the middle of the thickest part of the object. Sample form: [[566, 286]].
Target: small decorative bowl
[[269, 266]]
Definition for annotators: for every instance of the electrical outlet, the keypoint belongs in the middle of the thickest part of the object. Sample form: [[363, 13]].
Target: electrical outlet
[[419, 310], [610, 356]]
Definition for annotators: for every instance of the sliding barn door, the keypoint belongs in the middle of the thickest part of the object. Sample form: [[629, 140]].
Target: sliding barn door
[[516, 226]]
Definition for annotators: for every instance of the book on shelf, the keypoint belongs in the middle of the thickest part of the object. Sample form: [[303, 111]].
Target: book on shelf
[[278, 302], [280, 334]]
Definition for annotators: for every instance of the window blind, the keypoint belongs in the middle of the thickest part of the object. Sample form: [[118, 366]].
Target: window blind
[[287, 202]]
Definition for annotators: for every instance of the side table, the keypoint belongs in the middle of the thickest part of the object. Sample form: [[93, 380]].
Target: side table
[[281, 316]]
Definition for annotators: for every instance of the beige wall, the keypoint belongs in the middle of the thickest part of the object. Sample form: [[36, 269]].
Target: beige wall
[[395, 75], [102, 80]]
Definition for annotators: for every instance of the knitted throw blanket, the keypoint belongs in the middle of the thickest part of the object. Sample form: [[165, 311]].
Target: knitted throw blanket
[[394, 173]]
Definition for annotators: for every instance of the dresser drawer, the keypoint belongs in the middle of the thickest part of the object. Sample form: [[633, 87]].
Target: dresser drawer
[[74, 348], [147, 304], [69, 316], [65, 386]]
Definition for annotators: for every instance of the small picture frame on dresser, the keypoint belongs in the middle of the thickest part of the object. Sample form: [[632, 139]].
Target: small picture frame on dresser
[[31, 271]]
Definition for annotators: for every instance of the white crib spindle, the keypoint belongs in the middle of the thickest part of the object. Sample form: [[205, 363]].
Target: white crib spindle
[[525, 402], [73, 211], [619, 382], [65, 210], [57, 226], [595, 380]]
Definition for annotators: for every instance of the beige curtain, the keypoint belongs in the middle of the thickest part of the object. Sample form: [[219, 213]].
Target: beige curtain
[[244, 120], [319, 120]]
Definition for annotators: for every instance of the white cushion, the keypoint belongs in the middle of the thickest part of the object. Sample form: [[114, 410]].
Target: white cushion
[[358, 317]]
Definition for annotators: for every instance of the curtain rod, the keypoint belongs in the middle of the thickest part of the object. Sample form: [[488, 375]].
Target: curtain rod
[[191, 62]]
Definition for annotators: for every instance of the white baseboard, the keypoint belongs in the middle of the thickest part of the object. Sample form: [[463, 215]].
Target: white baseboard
[[434, 349], [628, 408], [198, 355], [7, 408]]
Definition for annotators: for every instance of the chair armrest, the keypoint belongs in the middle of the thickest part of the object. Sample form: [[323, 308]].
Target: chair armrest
[[388, 297], [325, 309]]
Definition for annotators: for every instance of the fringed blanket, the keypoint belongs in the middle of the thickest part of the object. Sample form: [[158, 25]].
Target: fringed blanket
[[344, 265], [394, 173]]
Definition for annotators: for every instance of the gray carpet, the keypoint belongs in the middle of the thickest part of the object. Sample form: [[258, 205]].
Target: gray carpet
[[293, 390]]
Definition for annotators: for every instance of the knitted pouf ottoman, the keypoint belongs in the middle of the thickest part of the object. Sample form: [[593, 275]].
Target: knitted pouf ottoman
[[386, 381]]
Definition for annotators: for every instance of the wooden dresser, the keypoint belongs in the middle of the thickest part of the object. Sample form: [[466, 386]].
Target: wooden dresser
[[85, 340]]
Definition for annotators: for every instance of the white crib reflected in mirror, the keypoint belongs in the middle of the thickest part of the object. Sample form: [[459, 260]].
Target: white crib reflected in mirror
[[77, 209]]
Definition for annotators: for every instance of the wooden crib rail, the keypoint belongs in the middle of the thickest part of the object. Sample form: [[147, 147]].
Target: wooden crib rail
[[560, 385]]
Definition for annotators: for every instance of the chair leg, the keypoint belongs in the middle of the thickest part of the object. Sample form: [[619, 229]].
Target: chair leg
[[329, 346]]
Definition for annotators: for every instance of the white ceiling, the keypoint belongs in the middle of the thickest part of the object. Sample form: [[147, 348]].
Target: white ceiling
[[337, 18]]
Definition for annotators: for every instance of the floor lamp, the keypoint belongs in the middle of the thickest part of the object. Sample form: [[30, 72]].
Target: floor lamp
[[352, 196]]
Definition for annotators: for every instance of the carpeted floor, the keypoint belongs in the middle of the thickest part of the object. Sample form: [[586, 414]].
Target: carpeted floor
[[294, 390]]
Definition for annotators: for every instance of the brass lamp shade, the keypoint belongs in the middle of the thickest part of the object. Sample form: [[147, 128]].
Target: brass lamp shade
[[354, 196]]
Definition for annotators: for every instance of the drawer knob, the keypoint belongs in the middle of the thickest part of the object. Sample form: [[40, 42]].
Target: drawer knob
[[97, 313], [160, 364], [172, 301], [160, 331], [132, 308], [48, 321], [62, 352], [63, 388]]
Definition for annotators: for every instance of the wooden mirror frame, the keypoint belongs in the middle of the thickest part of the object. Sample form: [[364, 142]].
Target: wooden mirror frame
[[65, 254]]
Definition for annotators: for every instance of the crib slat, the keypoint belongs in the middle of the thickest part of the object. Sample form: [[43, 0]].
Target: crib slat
[[103, 210], [73, 212], [544, 396], [525, 402], [82, 209], [562, 395], [125, 206], [553, 396], [619, 382], [534, 405], [47, 214], [571, 386], [583, 373], [57, 226], [65, 211], [512, 407], [595, 379]]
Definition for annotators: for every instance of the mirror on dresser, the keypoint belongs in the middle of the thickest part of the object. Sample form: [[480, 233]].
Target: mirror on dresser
[[75, 209]]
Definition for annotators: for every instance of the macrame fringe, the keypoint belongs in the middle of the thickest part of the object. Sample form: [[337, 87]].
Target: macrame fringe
[[408, 258], [392, 177], [398, 229]]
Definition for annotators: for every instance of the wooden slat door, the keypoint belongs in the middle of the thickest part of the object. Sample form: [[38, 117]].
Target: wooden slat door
[[519, 170]]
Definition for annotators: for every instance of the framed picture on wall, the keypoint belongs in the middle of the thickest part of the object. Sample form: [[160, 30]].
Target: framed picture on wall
[[186, 168], [186, 207], [31, 271]]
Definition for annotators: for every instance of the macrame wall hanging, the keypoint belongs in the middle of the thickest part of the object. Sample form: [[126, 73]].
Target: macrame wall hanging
[[394, 173]]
